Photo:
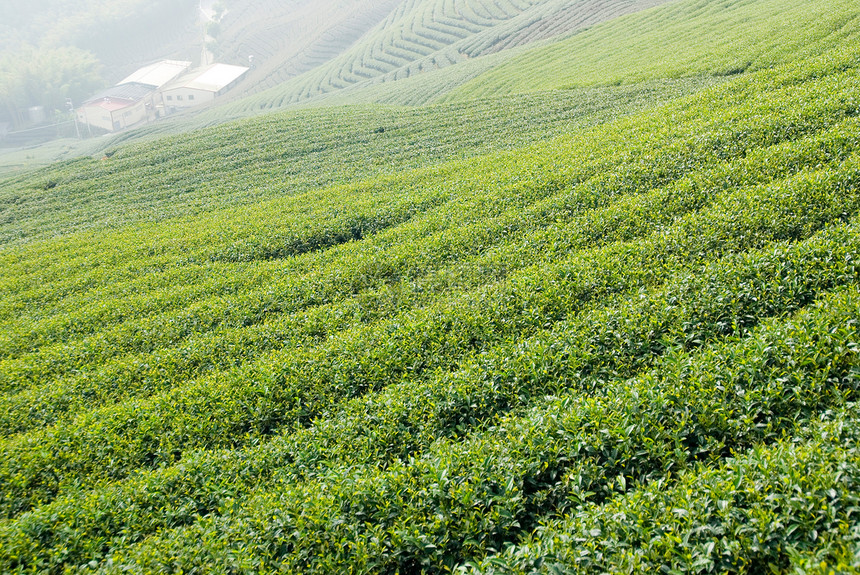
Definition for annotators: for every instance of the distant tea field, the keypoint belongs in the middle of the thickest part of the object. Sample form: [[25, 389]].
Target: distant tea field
[[559, 321]]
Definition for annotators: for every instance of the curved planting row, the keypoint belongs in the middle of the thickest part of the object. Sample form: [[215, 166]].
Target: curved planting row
[[521, 348], [163, 359], [462, 498], [599, 346], [280, 391], [580, 449], [427, 34], [610, 160], [655, 44]]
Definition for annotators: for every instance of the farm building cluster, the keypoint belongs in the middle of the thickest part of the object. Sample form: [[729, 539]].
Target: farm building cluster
[[155, 91]]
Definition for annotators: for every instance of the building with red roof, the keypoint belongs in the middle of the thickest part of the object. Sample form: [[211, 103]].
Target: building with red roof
[[119, 107]]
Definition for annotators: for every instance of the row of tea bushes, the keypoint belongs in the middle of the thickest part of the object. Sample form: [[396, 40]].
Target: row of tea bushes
[[601, 348], [293, 386], [464, 498], [197, 344], [250, 306], [785, 507], [548, 329], [733, 38]]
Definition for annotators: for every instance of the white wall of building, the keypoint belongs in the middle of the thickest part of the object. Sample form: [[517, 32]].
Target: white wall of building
[[112, 120], [130, 116], [96, 116], [185, 97]]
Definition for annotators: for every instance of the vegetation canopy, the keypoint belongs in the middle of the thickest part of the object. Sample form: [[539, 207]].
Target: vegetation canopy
[[551, 309]]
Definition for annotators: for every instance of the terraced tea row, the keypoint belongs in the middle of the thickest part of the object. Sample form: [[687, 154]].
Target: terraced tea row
[[589, 351], [453, 378], [676, 40], [176, 342], [286, 40], [148, 364], [606, 54], [71, 262], [424, 35], [555, 344], [289, 154], [530, 430], [464, 497], [785, 506], [292, 387]]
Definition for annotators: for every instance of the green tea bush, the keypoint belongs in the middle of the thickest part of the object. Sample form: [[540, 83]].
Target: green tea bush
[[557, 356], [785, 507], [585, 355], [462, 498]]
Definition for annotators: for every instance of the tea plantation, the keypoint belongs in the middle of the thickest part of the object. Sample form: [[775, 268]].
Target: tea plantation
[[587, 327], [420, 36]]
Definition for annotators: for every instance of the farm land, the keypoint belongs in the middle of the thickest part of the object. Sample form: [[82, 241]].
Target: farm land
[[555, 318]]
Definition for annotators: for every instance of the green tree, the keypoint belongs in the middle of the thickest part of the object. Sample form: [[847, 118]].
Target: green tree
[[46, 77]]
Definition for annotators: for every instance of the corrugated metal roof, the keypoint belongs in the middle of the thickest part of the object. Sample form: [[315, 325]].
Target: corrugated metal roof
[[110, 104], [211, 78], [158, 74], [133, 91]]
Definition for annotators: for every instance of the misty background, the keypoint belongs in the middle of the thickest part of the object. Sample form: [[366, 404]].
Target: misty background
[[57, 52], [52, 51]]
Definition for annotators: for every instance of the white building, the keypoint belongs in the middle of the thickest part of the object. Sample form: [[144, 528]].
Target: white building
[[158, 74], [156, 90], [201, 85], [133, 100], [118, 107]]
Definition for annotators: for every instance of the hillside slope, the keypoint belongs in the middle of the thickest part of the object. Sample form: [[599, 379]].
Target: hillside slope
[[598, 330], [288, 39], [423, 35], [647, 45], [292, 153], [304, 50], [679, 39]]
